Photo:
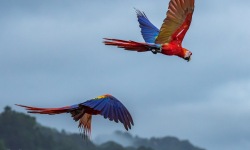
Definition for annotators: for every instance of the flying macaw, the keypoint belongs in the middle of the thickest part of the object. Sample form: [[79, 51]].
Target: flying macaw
[[167, 40], [106, 105]]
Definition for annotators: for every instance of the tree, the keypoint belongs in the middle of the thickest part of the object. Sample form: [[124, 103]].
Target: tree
[[2, 146], [144, 148], [7, 109]]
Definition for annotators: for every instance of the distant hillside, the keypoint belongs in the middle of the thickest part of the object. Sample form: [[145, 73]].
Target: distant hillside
[[20, 131], [165, 143]]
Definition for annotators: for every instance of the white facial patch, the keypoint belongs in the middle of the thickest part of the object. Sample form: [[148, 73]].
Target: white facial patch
[[188, 54]]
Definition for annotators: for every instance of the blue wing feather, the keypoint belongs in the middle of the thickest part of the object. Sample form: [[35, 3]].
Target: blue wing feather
[[105, 111], [116, 115], [124, 120], [127, 118], [130, 117], [74, 106], [111, 108], [111, 112], [91, 103], [148, 30], [101, 106]]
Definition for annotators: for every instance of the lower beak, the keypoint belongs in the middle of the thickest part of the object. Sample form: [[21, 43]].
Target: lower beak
[[189, 59]]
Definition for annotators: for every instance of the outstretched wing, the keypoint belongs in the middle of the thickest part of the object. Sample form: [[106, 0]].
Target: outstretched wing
[[177, 22], [106, 105], [111, 108], [148, 30]]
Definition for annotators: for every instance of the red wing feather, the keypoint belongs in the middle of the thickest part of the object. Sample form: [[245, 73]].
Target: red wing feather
[[177, 22]]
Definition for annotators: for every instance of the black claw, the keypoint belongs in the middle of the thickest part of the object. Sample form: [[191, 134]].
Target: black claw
[[154, 51]]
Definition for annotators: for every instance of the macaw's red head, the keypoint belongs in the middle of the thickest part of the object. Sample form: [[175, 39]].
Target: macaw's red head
[[187, 54]]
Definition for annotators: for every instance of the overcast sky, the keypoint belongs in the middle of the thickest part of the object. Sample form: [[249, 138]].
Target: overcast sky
[[51, 54]]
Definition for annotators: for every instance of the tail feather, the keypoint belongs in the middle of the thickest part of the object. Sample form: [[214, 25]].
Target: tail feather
[[127, 45], [50, 111], [77, 113]]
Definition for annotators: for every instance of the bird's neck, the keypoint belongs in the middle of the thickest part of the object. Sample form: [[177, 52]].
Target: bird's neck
[[173, 49]]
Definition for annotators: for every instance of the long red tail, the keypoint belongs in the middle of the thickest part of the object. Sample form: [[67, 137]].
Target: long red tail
[[50, 111], [127, 45]]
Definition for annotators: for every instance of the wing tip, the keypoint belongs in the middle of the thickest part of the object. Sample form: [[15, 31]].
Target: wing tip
[[140, 13]]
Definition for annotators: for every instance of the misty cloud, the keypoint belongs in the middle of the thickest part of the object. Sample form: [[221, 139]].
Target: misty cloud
[[51, 54]]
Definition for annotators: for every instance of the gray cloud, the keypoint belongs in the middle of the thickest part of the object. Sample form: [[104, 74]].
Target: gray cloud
[[51, 54]]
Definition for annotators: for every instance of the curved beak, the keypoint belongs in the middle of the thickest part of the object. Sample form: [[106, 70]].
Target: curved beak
[[188, 58]]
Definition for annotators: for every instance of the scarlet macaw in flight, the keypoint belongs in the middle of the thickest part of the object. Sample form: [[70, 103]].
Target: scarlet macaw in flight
[[106, 105], [167, 40]]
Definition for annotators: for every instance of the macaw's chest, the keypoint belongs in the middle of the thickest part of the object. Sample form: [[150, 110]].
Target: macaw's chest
[[171, 49]]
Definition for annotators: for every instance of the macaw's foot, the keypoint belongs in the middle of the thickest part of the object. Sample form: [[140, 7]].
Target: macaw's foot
[[154, 51]]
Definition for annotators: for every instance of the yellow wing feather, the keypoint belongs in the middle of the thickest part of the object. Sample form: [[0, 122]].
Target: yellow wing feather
[[177, 22]]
